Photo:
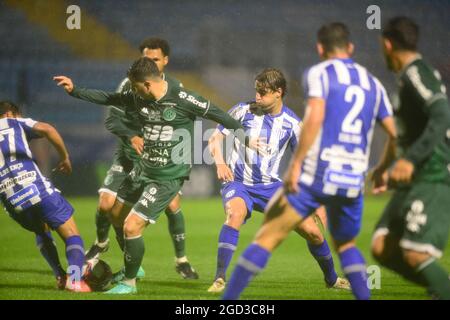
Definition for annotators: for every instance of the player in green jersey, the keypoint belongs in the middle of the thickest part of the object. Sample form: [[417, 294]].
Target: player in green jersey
[[127, 153], [413, 231], [167, 114]]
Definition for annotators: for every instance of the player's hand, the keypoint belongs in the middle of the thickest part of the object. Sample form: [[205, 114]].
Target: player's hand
[[259, 144], [65, 82], [291, 177], [402, 172], [138, 144], [224, 173], [379, 180], [64, 167]]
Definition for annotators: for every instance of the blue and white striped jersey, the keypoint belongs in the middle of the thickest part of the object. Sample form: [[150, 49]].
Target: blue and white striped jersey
[[21, 182], [337, 162], [280, 132]]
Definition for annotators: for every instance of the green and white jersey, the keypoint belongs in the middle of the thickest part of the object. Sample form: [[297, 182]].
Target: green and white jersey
[[168, 126], [423, 121], [125, 125]]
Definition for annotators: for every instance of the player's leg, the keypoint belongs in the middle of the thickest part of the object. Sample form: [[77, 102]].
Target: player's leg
[[344, 220], [177, 231], [102, 224], [280, 219], [319, 249], [427, 224]]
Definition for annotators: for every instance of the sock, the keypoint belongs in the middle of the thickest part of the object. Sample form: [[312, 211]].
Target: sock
[[48, 250], [354, 267], [177, 232], [120, 237], [252, 261], [436, 278], [75, 257], [103, 225], [323, 256], [228, 239], [133, 255]]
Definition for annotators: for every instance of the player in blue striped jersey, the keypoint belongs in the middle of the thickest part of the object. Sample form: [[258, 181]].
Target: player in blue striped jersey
[[251, 179], [330, 163], [32, 200]]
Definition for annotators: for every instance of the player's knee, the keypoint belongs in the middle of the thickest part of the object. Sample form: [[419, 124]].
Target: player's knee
[[173, 208], [377, 249], [235, 218], [311, 233], [105, 203], [130, 229], [413, 258]]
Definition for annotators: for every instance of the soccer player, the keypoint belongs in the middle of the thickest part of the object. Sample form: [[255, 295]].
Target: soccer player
[[167, 114], [413, 230], [128, 152], [250, 180], [329, 164], [32, 200]]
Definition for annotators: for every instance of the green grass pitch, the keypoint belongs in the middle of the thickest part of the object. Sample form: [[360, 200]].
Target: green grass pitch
[[291, 273]]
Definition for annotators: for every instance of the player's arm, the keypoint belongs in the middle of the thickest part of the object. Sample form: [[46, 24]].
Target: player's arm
[[47, 131], [436, 106], [119, 100], [224, 173], [379, 174], [312, 122], [115, 125]]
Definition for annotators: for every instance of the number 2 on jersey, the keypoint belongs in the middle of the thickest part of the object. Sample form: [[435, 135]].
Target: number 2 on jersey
[[350, 125]]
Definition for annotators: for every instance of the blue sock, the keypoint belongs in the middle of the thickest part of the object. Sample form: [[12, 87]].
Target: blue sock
[[323, 256], [252, 261], [354, 267], [75, 257], [46, 245], [228, 239]]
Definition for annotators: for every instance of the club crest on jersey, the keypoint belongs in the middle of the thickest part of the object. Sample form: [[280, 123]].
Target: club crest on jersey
[[169, 114]]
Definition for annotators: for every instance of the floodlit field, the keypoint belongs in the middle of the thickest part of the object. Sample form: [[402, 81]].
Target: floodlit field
[[291, 273]]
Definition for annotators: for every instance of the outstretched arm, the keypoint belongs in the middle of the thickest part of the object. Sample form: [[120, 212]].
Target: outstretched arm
[[51, 134]]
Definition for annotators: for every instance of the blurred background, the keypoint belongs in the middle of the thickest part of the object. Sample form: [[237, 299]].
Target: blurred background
[[217, 47]]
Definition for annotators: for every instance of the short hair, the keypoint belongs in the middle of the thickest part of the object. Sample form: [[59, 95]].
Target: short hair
[[6, 106], [272, 79], [155, 43], [403, 32], [333, 36], [143, 69]]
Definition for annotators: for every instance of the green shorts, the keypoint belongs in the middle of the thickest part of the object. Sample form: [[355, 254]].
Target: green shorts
[[420, 217], [148, 198], [119, 170]]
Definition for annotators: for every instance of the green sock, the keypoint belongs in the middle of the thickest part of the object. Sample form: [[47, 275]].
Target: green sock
[[177, 232], [120, 237], [436, 278], [103, 224], [134, 253]]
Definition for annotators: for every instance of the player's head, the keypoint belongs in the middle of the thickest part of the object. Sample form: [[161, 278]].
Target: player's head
[[156, 49], [9, 110], [143, 75], [333, 40], [270, 86], [400, 34]]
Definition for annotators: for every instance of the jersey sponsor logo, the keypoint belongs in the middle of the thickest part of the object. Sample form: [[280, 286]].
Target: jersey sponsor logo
[[21, 179], [19, 198], [116, 168], [13, 167], [230, 193], [151, 114], [148, 197], [343, 178], [416, 218], [192, 99], [109, 179]]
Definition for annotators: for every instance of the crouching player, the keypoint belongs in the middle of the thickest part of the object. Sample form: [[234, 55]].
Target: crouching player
[[32, 200], [250, 180]]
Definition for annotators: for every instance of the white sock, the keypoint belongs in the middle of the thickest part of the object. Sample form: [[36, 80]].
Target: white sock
[[181, 260], [130, 282], [102, 244]]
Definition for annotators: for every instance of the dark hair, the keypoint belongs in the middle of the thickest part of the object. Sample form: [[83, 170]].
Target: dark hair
[[333, 36], [403, 32], [142, 69], [272, 79], [6, 106], [155, 43]]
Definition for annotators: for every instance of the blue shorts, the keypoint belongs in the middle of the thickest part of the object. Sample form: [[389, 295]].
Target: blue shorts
[[344, 214], [255, 197], [53, 210]]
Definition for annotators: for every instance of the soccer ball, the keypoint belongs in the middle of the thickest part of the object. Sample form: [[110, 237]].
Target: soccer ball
[[98, 274]]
